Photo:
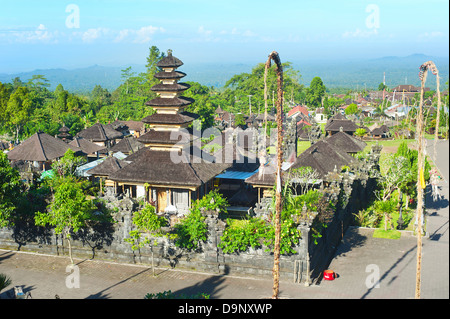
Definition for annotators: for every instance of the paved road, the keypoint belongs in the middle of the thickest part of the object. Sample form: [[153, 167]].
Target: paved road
[[367, 268]]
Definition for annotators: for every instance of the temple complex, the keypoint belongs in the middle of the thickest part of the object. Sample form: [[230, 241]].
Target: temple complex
[[170, 170]]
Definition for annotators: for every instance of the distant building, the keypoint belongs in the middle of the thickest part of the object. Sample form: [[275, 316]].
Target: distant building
[[40, 150], [101, 134], [339, 123]]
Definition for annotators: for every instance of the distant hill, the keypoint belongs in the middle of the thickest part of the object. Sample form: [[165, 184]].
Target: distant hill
[[77, 81], [369, 73], [349, 74]]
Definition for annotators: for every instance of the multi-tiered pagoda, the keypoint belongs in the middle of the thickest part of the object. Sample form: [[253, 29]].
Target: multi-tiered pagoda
[[168, 171], [170, 107]]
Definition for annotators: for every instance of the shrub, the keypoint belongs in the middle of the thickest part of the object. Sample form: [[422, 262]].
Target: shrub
[[241, 234]]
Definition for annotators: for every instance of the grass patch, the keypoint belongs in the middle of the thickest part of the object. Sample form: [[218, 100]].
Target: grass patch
[[388, 234], [302, 146]]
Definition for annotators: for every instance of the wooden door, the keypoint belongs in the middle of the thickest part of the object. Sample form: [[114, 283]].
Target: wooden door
[[162, 200]]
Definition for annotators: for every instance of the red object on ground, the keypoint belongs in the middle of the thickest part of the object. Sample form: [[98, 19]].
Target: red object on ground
[[328, 275]]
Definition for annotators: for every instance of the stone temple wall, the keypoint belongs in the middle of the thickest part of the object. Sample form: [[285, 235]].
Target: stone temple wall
[[106, 241]]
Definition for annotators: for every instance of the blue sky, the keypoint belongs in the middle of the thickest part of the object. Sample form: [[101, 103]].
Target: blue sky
[[76, 33]]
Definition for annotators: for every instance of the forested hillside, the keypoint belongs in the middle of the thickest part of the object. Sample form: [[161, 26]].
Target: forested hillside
[[29, 106]]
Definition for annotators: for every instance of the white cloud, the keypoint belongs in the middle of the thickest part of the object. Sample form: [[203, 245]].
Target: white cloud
[[433, 34], [142, 35], [203, 31], [358, 33], [29, 35], [248, 33], [93, 34]]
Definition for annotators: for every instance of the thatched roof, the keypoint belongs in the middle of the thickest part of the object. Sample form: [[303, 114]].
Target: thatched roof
[[160, 167], [40, 147], [166, 137], [347, 143], [179, 118], [167, 102], [336, 125], [131, 125], [176, 87], [127, 145], [100, 133], [337, 116], [169, 75], [323, 156], [86, 146], [108, 166], [169, 61], [262, 178]]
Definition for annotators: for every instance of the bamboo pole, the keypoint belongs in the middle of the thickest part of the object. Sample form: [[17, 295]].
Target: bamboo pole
[[276, 252], [419, 209], [438, 115]]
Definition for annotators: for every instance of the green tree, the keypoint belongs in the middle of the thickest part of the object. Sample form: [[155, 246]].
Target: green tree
[[352, 109], [10, 191], [360, 132], [67, 164], [239, 120], [19, 109], [315, 92], [69, 210], [192, 229], [240, 86], [5, 93], [382, 86], [147, 226], [154, 56]]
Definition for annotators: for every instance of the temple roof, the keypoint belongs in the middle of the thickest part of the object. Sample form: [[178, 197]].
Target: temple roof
[[167, 137], [108, 166], [86, 146], [175, 101], [64, 129], [167, 168], [179, 118], [323, 156], [40, 147], [335, 126], [177, 87], [169, 61], [347, 143], [127, 145], [169, 75], [100, 133]]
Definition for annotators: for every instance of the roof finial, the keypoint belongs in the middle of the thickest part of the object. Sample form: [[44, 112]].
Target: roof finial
[[169, 52]]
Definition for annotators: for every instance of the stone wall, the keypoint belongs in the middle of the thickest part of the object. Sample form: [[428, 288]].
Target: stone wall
[[106, 241]]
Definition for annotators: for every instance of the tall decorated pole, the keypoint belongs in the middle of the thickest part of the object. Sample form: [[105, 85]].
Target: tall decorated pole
[[276, 251], [420, 180]]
